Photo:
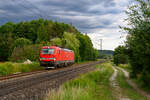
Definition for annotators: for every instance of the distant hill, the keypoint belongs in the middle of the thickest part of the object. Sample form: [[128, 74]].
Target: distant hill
[[106, 52]]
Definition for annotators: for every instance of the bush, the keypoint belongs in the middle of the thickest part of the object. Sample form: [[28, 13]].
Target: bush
[[56, 42], [11, 68], [71, 42], [138, 41], [120, 56], [20, 42], [6, 69], [31, 52]]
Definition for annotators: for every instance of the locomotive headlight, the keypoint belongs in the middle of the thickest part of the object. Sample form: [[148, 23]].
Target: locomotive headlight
[[52, 58]]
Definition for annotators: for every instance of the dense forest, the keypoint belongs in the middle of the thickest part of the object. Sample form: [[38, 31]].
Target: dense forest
[[136, 51], [21, 41]]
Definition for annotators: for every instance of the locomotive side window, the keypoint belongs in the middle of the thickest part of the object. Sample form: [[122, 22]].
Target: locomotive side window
[[44, 51]]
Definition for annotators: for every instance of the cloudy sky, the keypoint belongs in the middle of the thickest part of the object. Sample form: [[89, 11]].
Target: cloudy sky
[[100, 19]]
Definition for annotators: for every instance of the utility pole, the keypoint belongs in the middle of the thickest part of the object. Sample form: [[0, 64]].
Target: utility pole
[[101, 44], [100, 52]]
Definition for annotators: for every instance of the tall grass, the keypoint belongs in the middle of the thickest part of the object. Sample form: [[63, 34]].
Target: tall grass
[[127, 89], [8, 68], [137, 80], [92, 86], [126, 67]]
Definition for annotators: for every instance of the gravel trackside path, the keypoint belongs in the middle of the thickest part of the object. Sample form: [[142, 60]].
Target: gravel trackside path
[[131, 83], [116, 89]]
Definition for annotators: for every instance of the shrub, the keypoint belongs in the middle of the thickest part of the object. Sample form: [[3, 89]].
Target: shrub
[[56, 41], [138, 41], [31, 52], [120, 56], [20, 42], [11, 68]]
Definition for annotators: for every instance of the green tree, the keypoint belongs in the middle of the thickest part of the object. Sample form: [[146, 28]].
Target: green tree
[[42, 34], [86, 50], [21, 42], [15, 37], [70, 41], [6, 39], [56, 42], [31, 52], [120, 56], [138, 41]]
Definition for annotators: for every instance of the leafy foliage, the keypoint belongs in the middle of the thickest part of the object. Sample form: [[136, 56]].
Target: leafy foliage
[[120, 56], [71, 42], [8, 68], [31, 52], [23, 40], [138, 41], [86, 50], [56, 41], [105, 54], [20, 42]]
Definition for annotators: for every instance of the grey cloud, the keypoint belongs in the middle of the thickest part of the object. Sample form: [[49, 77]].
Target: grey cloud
[[80, 12]]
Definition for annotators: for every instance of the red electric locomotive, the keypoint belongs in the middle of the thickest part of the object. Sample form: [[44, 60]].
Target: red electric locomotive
[[53, 56]]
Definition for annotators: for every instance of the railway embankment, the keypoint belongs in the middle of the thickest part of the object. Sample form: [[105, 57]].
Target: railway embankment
[[35, 86], [91, 86]]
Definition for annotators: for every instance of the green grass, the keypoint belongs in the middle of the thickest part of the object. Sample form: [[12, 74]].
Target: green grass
[[92, 86], [83, 62], [139, 83], [8, 68], [127, 89], [127, 67]]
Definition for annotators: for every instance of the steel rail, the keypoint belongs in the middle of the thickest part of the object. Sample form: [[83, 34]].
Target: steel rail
[[9, 87]]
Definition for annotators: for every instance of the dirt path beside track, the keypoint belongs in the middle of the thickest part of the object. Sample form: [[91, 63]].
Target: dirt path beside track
[[131, 83], [116, 89]]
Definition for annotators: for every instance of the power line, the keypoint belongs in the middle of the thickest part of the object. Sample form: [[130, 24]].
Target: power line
[[36, 12], [101, 44], [27, 8], [37, 8]]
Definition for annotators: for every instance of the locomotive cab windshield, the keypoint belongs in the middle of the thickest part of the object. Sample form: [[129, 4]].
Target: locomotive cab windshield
[[48, 51]]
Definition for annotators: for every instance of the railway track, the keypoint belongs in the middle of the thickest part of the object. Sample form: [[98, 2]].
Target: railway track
[[19, 75], [59, 76], [3, 78]]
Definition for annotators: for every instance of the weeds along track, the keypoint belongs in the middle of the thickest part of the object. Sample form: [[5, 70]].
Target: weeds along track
[[57, 76]]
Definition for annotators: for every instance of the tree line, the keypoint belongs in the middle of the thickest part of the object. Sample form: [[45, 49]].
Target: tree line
[[136, 51], [21, 41]]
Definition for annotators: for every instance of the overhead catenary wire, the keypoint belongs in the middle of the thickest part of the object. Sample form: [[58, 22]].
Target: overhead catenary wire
[[41, 12], [27, 5], [22, 4], [36, 8]]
